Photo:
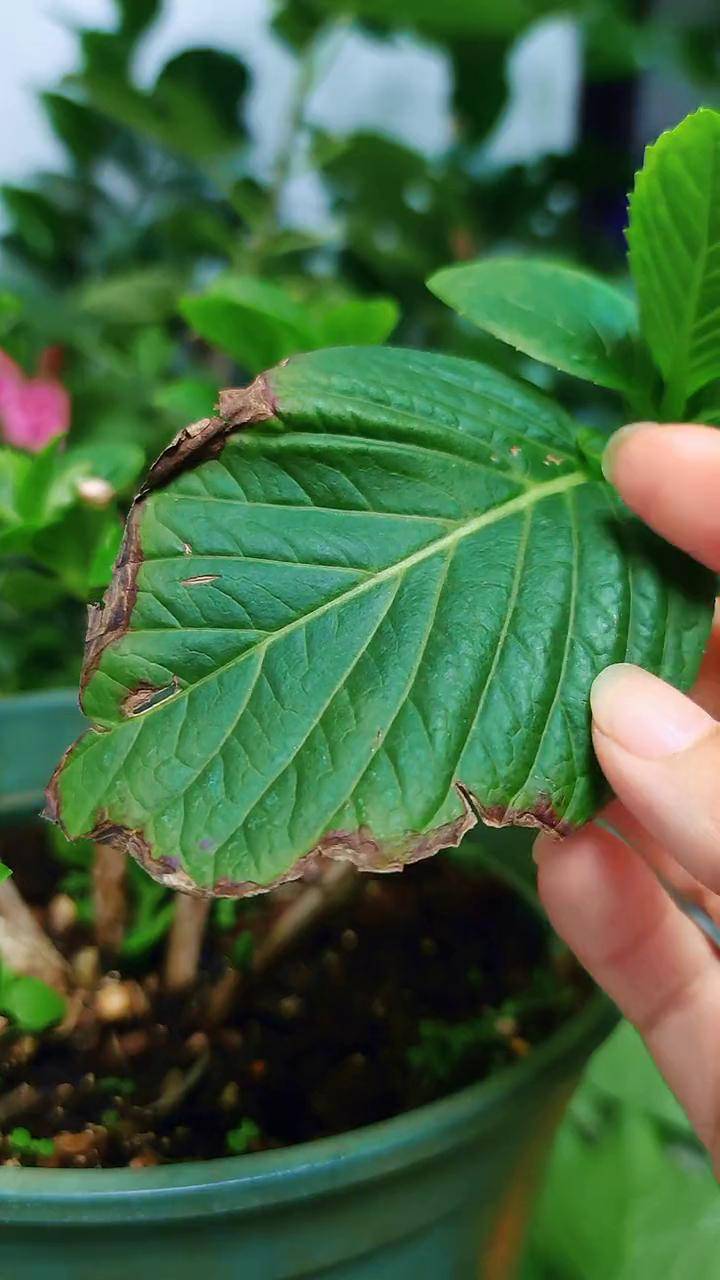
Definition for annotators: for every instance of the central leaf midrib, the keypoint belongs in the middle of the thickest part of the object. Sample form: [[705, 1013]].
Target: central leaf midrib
[[455, 535]]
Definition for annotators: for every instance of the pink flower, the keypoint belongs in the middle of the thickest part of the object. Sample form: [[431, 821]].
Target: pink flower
[[32, 410]]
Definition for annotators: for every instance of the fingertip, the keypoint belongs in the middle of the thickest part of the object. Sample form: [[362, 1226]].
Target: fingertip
[[596, 893], [544, 846], [669, 474], [616, 445], [643, 714]]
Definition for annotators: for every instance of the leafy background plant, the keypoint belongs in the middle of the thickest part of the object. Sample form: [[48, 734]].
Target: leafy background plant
[[129, 271]]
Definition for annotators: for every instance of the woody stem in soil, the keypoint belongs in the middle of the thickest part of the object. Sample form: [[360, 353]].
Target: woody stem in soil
[[331, 887], [185, 940], [24, 945], [109, 874]]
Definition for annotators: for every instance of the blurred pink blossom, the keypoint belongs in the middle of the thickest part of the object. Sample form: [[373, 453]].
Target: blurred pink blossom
[[32, 410]]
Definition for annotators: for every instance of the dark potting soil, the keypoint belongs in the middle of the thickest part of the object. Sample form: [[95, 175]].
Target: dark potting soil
[[419, 984]]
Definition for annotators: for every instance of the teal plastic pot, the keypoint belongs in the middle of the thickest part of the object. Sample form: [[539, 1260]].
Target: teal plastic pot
[[440, 1193]]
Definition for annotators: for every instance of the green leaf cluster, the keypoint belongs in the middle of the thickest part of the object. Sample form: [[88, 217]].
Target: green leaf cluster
[[664, 351], [60, 529], [258, 323], [22, 1143]]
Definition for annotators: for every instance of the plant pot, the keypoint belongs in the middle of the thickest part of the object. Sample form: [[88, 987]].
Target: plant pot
[[440, 1193]]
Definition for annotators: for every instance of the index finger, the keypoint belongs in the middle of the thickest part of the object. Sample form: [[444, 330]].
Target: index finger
[[669, 475]]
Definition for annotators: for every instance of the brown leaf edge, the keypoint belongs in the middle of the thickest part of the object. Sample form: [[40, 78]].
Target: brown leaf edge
[[201, 441], [360, 848], [108, 622]]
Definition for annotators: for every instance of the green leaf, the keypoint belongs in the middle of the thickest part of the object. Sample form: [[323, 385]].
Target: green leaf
[[624, 1070], [559, 315], [709, 414], [143, 296], [193, 108], [37, 490], [358, 321], [376, 612], [45, 487], [29, 1002], [80, 129], [10, 309], [119, 462], [199, 92], [22, 1141], [153, 909], [187, 399], [14, 469], [255, 322], [74, 547], [259, 323], [239, 1140], [136, 15], [674, 239], [620, 1200], [104, 555]]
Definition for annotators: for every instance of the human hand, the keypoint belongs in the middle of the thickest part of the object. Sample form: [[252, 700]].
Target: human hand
[[660, 751]]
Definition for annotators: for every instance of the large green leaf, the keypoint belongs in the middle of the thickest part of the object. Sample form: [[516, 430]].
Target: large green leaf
[[674, 239], [564, 317], [620, 1201], [360, 608]]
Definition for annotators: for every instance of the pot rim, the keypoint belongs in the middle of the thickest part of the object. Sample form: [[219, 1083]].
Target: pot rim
[[250, 1182]]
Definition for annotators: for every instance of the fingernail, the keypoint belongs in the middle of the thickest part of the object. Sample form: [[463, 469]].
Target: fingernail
[[614, 444], [644, 715]]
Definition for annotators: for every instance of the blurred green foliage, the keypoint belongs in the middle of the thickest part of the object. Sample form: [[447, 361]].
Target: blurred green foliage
[[150, 906], [158, 264], [629, 1194]]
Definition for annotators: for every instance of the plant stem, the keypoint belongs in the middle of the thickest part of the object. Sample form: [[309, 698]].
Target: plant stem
[[24, 946], [312, 67], [109, 874], [185, 941], [332, 887]]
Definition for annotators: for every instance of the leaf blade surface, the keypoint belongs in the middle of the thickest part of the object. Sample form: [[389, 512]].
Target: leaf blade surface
[[674, 242], [374, 615]]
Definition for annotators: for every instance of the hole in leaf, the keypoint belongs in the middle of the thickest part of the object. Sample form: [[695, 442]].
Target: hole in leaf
[[146, 696]]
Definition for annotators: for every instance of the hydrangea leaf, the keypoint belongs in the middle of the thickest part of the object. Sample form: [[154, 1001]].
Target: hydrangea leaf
[[354, 613]]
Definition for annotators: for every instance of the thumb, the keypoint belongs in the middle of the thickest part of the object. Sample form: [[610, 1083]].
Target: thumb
[[660, 753]]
